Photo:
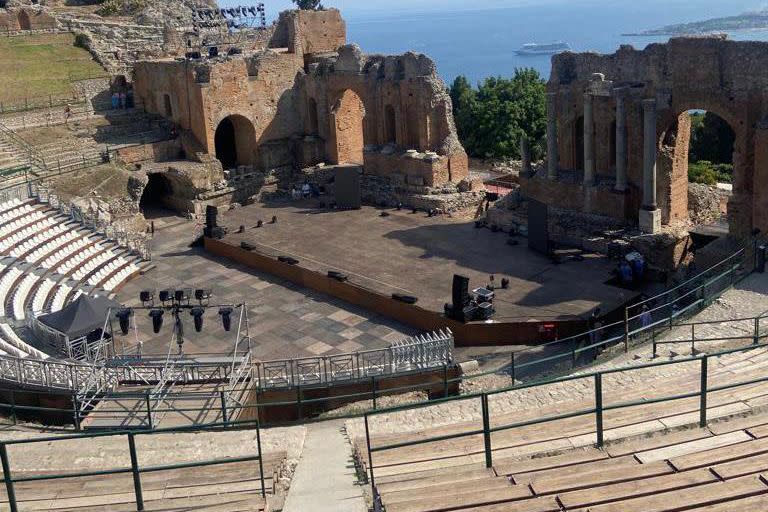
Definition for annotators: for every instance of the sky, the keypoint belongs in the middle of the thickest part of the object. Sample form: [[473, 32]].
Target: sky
[[368, 6]]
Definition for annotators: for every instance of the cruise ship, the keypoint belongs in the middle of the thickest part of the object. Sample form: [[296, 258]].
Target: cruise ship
[[543, 49]]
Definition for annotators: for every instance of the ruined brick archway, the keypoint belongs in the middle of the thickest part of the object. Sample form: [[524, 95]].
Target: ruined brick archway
[[348, 114], [235, 142], [24, 22], [637, 95]]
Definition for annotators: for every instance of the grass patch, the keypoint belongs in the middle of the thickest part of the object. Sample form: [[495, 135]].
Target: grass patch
[[108, 180], [42, 65]]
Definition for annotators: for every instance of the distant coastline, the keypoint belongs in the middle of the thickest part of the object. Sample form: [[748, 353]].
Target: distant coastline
[[742, 22]]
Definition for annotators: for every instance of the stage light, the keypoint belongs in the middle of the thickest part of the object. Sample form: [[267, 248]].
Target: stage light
[[197, 315], [124, 316], [146, 296], [226, 317], [157, 319], [166, 295], [202, 294], [182, 295]]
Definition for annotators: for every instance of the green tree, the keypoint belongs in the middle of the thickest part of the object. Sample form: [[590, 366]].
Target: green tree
[[711, 139], [309, 5], [491, 119]]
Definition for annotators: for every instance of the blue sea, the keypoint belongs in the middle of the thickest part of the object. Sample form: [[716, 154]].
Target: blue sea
[[481, 43]]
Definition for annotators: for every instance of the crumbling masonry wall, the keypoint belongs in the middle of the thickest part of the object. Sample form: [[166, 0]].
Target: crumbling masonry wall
[[291, 94], [728, 78]]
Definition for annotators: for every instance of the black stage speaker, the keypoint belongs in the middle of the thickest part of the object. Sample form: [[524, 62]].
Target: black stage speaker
[[460, 291], [538, 226], [347, 181]]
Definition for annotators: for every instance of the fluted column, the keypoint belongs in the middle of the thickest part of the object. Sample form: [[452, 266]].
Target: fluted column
[[552, 154], [621, 144], [589, 141], [649, 154]]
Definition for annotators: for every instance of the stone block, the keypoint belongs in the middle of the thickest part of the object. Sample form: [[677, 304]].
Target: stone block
[[650, 220]]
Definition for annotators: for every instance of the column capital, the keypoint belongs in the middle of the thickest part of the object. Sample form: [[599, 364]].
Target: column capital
[[649, 104], [588, 97]]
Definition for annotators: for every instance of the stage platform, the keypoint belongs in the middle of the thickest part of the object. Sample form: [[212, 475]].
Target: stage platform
[[414, 254]]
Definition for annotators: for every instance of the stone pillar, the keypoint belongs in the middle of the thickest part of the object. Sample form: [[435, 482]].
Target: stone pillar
[[589, 142], [525, 155], [552, 154], [650, 215], [621, 144]]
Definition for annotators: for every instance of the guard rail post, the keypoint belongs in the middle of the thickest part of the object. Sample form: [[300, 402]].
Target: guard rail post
[[703, 388], [370, 455], [626, 329], [261, 458], [135, 472], [149, 411], [486, 431], [512, 369], [756, 336], [373, 391], [8, 477], [599, 408], [223, 399]]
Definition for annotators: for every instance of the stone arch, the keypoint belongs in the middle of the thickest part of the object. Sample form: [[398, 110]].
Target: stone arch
[[157, 193], [235, 141], [674, 141], [390, 125], [25, 23], [349, 129]]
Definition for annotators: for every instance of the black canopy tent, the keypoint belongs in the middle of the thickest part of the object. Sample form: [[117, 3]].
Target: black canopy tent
[[84, 316]]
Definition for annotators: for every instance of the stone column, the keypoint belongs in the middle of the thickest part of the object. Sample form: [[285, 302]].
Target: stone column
[[589, 142], [621, 144], [552, 154], [650, 216]]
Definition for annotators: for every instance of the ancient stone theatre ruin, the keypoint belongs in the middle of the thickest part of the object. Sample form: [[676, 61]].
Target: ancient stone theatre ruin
[[306, 98], [618, 130]]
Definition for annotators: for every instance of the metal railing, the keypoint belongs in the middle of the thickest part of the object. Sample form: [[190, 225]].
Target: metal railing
[[486, 430], [135, 469]]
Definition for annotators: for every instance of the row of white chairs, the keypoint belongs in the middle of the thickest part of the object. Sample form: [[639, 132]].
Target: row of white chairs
[[60, 297], [21, 221], [21, 235], [52, 246], [9, 335], [38, 239], [6, 206], [10, 276], [65, 252], [41, 295], [16, 213], [21, 294], [84, 257], [103, 259], [121, 276], [113, 267]]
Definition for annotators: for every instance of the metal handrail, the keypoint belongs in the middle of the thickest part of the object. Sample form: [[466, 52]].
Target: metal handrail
[[136, 469], [597, 411]]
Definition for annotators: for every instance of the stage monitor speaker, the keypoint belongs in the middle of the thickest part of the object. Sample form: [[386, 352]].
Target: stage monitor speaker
[[538, 226], [348, 191], [460, 291]]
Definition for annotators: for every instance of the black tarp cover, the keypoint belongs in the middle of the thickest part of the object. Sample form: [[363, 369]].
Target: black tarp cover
[[81, 317]]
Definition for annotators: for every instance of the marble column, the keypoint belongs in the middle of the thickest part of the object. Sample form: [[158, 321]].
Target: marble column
[[589, 141], [650, 216], [552, 153], [649, 154], [621, 144]]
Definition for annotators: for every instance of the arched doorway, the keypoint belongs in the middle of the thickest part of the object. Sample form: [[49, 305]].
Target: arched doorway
[[348, 119], [313, 128], [24, 21], [157, 195], [235, 142], [697, 148]]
